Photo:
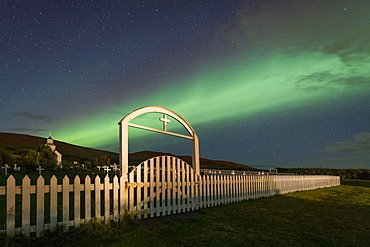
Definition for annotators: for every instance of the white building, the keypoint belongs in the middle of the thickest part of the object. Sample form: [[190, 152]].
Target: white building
[[50, 143]]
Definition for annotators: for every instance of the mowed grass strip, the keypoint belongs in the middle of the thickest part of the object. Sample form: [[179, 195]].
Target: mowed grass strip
[[336, 216]]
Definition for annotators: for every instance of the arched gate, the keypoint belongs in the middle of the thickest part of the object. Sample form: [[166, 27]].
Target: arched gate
[[160, 186]]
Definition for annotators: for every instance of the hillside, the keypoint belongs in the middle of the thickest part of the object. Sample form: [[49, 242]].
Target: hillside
[[77, 153], [136, 158], [69, 151]]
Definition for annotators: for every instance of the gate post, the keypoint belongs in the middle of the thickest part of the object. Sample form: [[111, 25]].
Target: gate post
[[195, 158], [123, 153], [123, 171]]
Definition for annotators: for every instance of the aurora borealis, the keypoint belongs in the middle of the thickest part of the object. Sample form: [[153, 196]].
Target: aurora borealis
[[265, 83]]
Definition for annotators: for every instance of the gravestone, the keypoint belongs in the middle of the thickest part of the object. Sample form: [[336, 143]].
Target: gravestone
[[16, 168], [115, 168], [40, 169], [5, 167], [107, 169]]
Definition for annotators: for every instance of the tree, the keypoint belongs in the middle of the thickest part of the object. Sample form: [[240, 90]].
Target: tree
[[101, 161], [47, 158], [67, 164], [31, 159], [365, 175], [87, 164], [7, 157]]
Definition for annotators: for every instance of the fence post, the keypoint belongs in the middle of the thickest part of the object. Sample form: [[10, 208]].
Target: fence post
[[174, 185], [10, 206], [152, 184], [122, 196], [211, 190], [163, 185], [146, 189], [87, 198], [53, 203], [201, 193], [26, 205], [40, 184], [115, 198], [77, 200], [106, 199], [158, 186], [169, 185], [138, 192], [65, 201], [97, 197]]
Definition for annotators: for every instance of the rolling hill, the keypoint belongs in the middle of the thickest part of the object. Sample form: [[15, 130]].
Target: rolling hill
[[69, 151], [77, 153], [138, 157]]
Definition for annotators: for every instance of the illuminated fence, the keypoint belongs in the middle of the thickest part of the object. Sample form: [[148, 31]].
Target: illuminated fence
[[154, 189]]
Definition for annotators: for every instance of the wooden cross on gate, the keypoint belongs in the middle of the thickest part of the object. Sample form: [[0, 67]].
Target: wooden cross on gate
[[165, 121]]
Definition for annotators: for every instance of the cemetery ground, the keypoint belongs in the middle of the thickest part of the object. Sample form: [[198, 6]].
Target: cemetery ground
[[335, 216]]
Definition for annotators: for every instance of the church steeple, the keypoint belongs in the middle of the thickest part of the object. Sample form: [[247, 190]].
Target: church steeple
[[50, 143]]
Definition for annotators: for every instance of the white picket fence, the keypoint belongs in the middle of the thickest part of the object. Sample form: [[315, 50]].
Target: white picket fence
[[155, 191]]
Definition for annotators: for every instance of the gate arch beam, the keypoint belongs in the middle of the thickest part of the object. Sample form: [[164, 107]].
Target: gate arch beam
[[125, 123]]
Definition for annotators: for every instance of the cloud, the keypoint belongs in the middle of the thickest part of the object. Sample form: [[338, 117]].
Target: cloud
[[315, 81], [333, 27], [353, 81], [329, 81], [359, 143], [332, 33], [33, 116], [27, 130]]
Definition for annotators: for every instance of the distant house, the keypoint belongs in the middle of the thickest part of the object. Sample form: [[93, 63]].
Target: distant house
[[50, 143]]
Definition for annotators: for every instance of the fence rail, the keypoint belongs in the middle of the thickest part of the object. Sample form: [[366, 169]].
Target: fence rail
[[38, 208]]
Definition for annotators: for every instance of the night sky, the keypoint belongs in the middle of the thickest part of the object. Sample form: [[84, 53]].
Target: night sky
[[274, 83]]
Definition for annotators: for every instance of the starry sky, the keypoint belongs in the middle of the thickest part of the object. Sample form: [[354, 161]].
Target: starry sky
[[266, 83]]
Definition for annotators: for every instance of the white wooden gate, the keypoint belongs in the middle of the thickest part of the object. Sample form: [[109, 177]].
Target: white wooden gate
[[160, 186]]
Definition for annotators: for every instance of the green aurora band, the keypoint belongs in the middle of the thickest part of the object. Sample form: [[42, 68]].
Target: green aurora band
[[276, 83]]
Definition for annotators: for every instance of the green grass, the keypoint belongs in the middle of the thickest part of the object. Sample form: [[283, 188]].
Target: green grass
[[336, 216]]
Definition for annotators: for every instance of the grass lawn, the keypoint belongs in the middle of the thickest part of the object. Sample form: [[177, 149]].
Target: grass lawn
[[336, 216]]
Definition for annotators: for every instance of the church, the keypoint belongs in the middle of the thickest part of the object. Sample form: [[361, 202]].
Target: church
[[50, 143]]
